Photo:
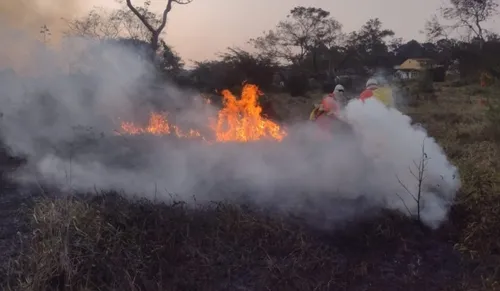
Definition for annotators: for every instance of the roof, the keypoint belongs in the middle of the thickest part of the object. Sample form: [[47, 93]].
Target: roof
[[417, 64]]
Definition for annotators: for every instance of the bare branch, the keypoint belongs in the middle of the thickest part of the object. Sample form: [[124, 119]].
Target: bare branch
[[469, 15], [404, 204], [141, 16], [406, 189], [420, 176], [155, 32]]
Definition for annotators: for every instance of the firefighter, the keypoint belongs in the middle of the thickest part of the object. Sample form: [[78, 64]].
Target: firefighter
[[330, 104], [371, 86], [326, 115], [373, 89], [339, 95]]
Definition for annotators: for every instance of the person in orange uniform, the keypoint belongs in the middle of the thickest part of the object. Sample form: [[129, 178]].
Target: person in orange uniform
[[328, 115], [371, 85], [330, 102], [381, 93]]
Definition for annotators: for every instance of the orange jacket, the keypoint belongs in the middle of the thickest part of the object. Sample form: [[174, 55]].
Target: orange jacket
[[324, 121], [330, 103], [322, 118], [367, 93], [326, 124]]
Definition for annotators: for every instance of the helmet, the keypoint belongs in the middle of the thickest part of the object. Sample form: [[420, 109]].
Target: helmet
[[339, 88], [371, 82]]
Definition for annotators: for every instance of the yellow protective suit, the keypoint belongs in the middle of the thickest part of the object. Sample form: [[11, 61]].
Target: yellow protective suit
[[315, 112], [384, 95]]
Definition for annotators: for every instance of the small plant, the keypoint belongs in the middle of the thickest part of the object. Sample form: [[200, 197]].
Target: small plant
[[419, 174]]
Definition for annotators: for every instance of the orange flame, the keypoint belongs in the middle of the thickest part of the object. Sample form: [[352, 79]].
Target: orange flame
[[158, 125], [238, 121]]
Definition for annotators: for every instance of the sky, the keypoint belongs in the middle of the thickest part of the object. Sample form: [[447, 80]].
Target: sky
[[202, 29]]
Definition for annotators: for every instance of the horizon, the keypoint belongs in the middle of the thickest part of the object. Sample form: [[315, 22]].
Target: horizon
[[201, 30], [235, 29]]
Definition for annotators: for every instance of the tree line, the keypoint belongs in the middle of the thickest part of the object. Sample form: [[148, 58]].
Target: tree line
[[309, 48]]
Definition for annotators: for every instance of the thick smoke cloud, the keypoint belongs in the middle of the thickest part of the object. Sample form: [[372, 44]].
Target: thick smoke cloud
[[63, 120], [32, 18], [30, 15]]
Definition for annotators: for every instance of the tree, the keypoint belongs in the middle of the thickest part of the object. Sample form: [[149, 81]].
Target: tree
[[233, 68], [244, 66], [304, 31], [155, 31], [411, 49], [368, 47], [469, 15], [104, 24], [434, 29], [122, 26], [209, 76], [171, 62]]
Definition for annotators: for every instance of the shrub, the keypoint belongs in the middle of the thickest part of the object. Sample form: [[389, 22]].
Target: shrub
[[297, 85], [493, 117], [425, 82]]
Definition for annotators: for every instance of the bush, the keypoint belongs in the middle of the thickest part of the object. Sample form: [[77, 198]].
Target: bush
[[234, 68], [297, 85], [328, 87], [459, 83], [493, 117], [425, 82]]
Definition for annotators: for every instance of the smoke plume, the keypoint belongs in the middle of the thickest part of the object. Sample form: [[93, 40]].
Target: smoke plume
[[23, 21], [64, 119], [30, 15]]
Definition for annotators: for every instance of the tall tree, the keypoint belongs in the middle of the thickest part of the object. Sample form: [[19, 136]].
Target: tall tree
[[369, 44], [467, 15], [155, 30], [304, 31], [123, 27], [104, 24], [170, 62]]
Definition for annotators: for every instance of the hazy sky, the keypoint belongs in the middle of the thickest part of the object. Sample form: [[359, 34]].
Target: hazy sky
[[205, 27]]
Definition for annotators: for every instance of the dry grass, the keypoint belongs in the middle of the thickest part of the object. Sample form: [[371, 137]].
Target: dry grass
[[464, 126], [108, 243]]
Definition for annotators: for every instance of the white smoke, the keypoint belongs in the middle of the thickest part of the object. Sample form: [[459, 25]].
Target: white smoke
[[410, 168], [64, 123]]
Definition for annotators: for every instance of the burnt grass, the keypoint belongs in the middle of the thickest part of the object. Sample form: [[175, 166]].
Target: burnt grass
[[106, 242]]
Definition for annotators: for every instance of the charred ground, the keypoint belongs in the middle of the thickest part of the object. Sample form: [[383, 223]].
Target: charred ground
[[104, 242]]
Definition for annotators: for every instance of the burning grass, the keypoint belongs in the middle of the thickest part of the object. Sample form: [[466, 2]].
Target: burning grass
[[109, 243], [240, 120]]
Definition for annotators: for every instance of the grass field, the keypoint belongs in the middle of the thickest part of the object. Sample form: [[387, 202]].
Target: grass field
[[108, 243]]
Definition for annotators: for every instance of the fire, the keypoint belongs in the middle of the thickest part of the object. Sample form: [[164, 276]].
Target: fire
[[158, 125], [239, 120]]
